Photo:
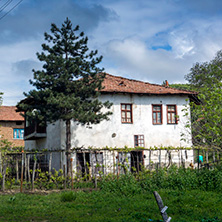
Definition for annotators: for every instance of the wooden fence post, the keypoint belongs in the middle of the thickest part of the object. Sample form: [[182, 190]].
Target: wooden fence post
[[96, 170], [0, 162], [28, 168], [214, 156], [150, 153], [17, 168], [161, 207], [91, 164], [50, 164], [33, 172], [207, 157], [84, 163], [3, 175], [22, 169], [71, 174], [64, 172], [25, 159], [114, 162], [159, 158]]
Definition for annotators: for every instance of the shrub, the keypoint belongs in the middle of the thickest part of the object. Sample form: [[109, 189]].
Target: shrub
[[125, 185], [68, 196]]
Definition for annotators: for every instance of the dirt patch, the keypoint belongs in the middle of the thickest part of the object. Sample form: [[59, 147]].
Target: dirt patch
[[45, 192]]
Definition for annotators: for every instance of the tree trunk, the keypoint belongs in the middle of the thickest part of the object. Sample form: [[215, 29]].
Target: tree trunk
[[68, 146]]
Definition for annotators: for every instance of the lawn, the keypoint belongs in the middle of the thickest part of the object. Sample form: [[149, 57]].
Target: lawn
[[104, 206]]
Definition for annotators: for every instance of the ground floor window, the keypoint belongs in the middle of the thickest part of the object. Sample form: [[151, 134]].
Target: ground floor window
[[90, 163], [123, 162], [130, 161], [137, 161], [18, 134]]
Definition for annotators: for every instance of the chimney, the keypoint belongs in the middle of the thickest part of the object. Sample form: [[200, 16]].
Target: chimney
[[166, 83]]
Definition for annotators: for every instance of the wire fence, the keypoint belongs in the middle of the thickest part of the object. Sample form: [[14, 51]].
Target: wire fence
[[48, 170]]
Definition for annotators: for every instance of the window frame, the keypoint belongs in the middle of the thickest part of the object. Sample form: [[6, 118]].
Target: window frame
[[125, 111], [169, 121], [18, 133], [138, 141], [161, 113]]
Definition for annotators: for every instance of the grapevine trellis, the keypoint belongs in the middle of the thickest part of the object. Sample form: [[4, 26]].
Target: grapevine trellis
[[26, 169]]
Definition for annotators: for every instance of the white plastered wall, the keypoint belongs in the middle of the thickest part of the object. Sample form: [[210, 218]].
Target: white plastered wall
[[101, 135]]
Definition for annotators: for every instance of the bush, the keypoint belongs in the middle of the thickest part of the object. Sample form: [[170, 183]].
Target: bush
[[173, 178], [125, 185], [68, 196]]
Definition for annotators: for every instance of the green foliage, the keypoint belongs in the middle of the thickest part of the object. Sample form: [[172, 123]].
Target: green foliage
[[206, 78], [182, 86], [68, 196], [215, 219], [206, 74], [125, 185], [162, 178], [192, 206], [68, 85]]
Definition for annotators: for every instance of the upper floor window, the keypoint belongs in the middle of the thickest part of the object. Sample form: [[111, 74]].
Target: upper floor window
[[126, 113], [18, 134], [157, 114], [139, 141], [171, 114]]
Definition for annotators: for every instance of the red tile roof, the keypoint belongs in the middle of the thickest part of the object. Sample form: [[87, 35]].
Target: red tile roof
[[8, 113], [117, 84]]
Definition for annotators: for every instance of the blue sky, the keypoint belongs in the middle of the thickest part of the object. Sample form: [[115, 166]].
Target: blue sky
[[147, 40]]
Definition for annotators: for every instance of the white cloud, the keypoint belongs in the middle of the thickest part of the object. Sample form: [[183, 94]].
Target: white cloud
[[123, 31], [134, 59]]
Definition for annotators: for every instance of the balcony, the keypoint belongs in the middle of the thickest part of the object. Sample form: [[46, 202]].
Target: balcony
[[34, 132]]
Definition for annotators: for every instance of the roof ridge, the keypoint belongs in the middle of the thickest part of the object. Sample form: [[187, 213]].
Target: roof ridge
[[153, 84], [138, 86]]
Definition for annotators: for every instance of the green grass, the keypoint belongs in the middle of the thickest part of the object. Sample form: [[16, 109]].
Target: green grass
[[105, 206], [191, 195]]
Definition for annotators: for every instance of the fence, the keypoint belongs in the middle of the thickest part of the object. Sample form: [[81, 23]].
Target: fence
[[31, 169]]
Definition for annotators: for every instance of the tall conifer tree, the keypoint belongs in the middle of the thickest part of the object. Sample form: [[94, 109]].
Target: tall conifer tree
[[68, 85]]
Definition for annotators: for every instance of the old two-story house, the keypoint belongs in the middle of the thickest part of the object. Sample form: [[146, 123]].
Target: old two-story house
[[144, 115], [11, 125]]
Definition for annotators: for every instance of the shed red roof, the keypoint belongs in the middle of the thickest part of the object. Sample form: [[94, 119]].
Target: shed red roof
[[117, 84], [8, 113]]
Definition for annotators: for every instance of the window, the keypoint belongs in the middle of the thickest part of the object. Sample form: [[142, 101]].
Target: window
[[126, 113], [171, 114], [123, 162], [139, 140], [18, 134], [137, 161], [90, 163], [157, 114]]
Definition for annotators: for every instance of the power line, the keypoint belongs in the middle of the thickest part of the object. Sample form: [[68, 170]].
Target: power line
[[10, 9], [5, 5]]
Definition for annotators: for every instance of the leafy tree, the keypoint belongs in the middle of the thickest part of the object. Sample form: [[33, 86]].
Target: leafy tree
[[181, 86], [68, 85], [207, 117], [206, 74]]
